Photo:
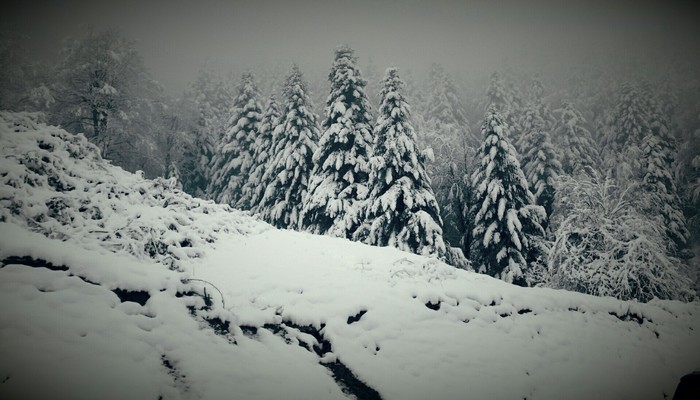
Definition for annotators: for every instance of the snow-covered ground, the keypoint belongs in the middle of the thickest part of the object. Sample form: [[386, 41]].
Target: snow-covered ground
[[102, 268]]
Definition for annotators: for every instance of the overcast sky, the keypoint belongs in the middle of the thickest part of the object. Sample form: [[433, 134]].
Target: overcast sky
[[177, 37]]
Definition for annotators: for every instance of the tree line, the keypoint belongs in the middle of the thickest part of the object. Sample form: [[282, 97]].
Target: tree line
[[598, 195]]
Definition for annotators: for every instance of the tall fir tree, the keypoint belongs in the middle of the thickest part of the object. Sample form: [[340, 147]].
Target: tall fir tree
[[341, 162], [446, 132], [574, 141], [662, 198], [401, 209], [262, 152], [292, 158], [622, 152], [536, 117], [502, 97], [233, 159], [504, 213], [542, 168]]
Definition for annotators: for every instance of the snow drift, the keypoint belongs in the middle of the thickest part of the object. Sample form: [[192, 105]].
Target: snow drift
[[103, 283]]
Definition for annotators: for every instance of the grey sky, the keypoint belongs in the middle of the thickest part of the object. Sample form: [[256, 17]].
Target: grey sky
[[177, 37]]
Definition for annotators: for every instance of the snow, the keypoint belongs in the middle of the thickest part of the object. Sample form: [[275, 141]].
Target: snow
[[429, 330]]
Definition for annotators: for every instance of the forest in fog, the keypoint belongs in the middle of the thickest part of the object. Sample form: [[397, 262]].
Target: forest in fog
[[585, 178]]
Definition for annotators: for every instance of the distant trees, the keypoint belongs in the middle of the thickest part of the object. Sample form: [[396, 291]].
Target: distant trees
[[104, 91], [212, 100], [542, 169], [574, 141], [232, 161], [446, 134], [401, 209], [341, 162], [661, 197]]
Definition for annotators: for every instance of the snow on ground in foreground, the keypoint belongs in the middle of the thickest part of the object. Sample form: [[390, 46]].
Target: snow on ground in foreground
[[428, 330]]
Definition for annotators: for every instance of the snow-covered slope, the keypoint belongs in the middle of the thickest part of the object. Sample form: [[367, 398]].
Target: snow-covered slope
[[104, 272]]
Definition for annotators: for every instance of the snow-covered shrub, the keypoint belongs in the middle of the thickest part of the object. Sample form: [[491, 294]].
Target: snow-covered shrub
[[606, 247]]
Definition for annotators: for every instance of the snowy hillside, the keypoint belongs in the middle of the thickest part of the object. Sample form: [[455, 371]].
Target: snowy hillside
[[103, 284]]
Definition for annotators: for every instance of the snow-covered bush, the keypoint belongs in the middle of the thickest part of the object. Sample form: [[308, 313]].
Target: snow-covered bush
[[606, 247]]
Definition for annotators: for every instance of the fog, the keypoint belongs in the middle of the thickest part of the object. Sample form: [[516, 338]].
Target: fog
[[474, 38]]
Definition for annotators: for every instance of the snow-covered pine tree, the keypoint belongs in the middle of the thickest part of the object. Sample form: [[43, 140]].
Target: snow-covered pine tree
[[501, 97], [536, 117], [503, 210], [542, 168], [630, 126], [662, 198], [401, 209], [446, 132], [262, 152], [444, 104], [574, 141], [341, 162], [291, 160], [233, 159]]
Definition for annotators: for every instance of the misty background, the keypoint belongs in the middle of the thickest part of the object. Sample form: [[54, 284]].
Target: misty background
[[470, 38]]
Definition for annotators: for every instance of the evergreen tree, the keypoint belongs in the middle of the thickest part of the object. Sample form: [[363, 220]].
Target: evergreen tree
[[574, 142], [341, 167], [503, 209], [444, 104], [261, 150], [542, 168], [502, 97], [233, 159], [536, 117], [662, 199], [401, 207], [447, 134], [291, 160], [630, 126]]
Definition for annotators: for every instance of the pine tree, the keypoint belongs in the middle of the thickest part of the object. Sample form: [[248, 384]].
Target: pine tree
[[575, 142], [291, 160], [447, 134], [262, 152], [444, 104], [401, 207], [536, 117], [341, 167], [503, 209], [662, 199], [233, 159], [542, 168], [630, 126], [502, 97]]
